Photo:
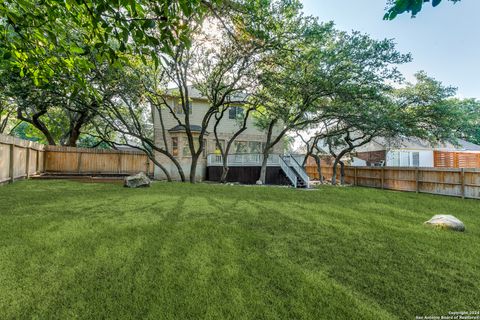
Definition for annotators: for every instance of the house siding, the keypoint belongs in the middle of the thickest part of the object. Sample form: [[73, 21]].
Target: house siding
[[425, 158]]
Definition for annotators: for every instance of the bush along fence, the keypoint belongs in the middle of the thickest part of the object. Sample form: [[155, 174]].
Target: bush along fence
[[457, 182], [20, 159]]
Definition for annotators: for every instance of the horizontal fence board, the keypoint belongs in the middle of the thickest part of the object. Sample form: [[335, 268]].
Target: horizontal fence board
[[90, 150]]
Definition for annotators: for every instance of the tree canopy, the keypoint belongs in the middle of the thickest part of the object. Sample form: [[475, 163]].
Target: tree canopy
[[43, 37], [396, 7]]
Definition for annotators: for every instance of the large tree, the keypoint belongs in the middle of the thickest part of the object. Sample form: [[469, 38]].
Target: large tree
[[324, 64], [59, 109], [470, 109], [421, 110], [221, 63]]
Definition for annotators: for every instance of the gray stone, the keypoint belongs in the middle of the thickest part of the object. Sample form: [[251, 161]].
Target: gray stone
[[445, 221], [259, 182], [137, 181]]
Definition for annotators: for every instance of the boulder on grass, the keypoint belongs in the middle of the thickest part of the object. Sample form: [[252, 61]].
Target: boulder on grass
[[137, 181], [447, 222]]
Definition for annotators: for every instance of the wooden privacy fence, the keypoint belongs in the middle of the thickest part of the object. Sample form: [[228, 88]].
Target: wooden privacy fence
[[19, 158], [463, 183], [313, 172], [68, 160]]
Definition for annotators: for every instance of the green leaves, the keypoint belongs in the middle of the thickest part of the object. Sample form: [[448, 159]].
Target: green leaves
[[76, 50], [413, 6], [72, 29]]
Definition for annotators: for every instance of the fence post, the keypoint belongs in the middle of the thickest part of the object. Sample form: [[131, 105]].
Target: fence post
[[45, 154], [462, 179], [355, 176], [11, 169], [383, 177], [37, 165], [417, 178], [27, 169]]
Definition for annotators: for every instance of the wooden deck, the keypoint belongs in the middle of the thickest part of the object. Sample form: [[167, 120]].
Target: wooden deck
[[245, 168]]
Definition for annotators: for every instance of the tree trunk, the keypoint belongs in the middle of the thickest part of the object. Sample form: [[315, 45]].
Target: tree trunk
[[319, 167], [48, 136], [73, 137], [178, 166], [266, 150], [167, 151], [193, 169], [334, 172], [40, 126], [223, 178], [263, 170], [158, 164], [342, 173]]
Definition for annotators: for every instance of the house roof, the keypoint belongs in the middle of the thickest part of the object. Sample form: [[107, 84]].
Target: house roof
[[418, 144], [181, 128], [194, 93], [468, 146]]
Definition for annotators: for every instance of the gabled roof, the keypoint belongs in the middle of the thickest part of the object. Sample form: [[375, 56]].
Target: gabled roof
[[181, 128], [194, 93], [468, 146]]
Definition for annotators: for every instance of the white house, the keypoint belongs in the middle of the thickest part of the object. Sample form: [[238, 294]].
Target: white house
[[414, 152]]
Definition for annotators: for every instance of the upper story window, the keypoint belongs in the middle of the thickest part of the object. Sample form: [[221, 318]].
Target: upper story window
[[178, 108], [235, 113], [175, 146]]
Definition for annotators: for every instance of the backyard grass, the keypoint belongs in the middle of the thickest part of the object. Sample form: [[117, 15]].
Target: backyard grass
[[177, 251]]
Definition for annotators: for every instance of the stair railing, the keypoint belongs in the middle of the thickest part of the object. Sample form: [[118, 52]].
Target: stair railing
[[288, 171], [299, 169]]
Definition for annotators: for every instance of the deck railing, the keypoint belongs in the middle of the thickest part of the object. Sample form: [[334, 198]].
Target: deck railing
[[243, 160], [254, 160]]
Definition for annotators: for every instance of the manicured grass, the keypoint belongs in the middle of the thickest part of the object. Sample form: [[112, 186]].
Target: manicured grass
[[178, 251]]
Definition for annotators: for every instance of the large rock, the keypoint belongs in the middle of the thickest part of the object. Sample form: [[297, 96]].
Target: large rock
[[137, 181], [445, 221]]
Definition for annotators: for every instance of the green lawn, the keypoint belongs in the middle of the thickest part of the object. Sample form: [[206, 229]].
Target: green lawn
[[178, 251]]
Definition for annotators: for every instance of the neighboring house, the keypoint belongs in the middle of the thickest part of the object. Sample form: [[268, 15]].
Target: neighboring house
[[245, 151], [413, 152]]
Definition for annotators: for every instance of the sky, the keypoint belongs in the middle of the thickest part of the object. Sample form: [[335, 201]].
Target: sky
[[444, 41]]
